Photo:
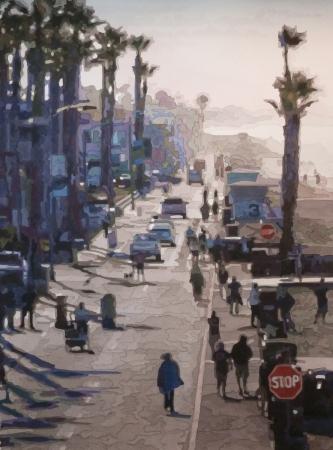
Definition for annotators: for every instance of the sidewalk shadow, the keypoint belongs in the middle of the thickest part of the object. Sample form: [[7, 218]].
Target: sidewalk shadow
[[246, 328], [227, 398], [178, 415], [9, 440], [142, 327]]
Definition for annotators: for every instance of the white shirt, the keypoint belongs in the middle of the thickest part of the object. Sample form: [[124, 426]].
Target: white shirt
[[254, 297]]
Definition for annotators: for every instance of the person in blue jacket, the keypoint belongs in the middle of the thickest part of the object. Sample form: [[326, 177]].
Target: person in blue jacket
[[168, 380]]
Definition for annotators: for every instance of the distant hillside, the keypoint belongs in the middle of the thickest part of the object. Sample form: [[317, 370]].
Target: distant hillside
[[233, 116], [243, 150]]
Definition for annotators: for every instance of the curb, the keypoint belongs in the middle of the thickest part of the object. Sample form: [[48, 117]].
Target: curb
[[198, 395]]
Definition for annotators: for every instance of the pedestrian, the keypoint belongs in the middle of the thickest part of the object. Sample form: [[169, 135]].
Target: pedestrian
[[210, 245], [3, 379], [197, 280], [10, 307], [2, 309], [217, 251], [214, 330], [254, 303], [108, 311], [222, 362], [205, 195], [205, 209], [202, 243], [241, 354], [222, 277], [105, 226], [298, 263], [29, 299], [215, 210], [322, 300], [168, 379], [194, 248], [190, 233], [140, 265], [285, 303], [82, 317], [216, 196], [235, 296]]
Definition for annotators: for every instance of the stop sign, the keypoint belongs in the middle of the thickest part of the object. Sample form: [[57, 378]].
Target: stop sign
[[267, 231], [285, 382]]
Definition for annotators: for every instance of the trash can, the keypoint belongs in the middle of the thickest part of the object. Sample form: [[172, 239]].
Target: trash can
[[226, 215], [112, 238], [45, 272], [61, 313], [232, 229]]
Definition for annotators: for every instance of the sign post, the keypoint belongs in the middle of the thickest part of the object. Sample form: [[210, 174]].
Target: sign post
[[285, 383]]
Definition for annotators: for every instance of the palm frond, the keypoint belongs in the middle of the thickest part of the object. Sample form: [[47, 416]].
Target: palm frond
[[290, 37]]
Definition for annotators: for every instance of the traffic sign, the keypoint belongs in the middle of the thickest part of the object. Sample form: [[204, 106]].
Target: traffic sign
[[285, 382], [267, 231]]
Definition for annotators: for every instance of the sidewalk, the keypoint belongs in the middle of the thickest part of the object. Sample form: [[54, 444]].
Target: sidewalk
[[235, 423]]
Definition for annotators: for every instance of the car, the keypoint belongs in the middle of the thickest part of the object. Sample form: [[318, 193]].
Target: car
[[195, 176], [164, 232], [147, 244], [124, 180], [13, 268], [161, 220], [96, 213], [174, 206]]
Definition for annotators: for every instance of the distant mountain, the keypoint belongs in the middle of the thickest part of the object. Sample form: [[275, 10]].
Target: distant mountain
[[233, 116]]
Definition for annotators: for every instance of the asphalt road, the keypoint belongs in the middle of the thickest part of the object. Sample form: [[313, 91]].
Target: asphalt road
[[110, 399]]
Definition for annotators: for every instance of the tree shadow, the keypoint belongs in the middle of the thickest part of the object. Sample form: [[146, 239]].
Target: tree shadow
[[9, 440], [229, 399], [142, 327]]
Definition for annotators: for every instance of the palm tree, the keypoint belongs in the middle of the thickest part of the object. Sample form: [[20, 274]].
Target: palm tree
[[295, 91], [138, 44], [111, 43], [202, 101], [76, 24], [141, 73]]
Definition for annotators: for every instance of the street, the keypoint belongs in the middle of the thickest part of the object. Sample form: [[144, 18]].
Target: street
[[110, 399]]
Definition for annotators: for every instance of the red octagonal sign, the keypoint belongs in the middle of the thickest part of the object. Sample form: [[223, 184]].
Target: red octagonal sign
[[267, 231], [285, 382]]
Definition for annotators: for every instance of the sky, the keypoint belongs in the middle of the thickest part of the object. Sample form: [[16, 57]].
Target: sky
[[227, 49]]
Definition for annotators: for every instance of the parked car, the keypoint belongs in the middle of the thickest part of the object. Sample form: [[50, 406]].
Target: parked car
[[124, 180], [147, 244], [174, 206], [164, 232], [96, 213], [13, 268], [195, 176]]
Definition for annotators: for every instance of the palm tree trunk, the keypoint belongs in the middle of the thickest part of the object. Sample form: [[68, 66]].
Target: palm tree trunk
[[290, 175], [70, 128], [54, 105], [137, 95], [105, 132], [110, 119], [4, 75]]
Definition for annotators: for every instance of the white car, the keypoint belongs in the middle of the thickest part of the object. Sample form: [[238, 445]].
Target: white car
[[164, 232], [161, 220]]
